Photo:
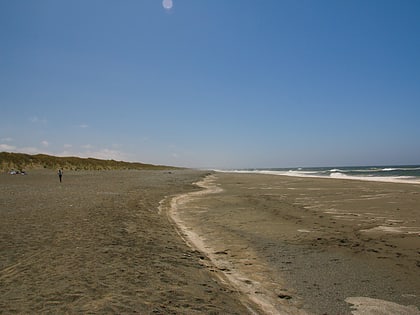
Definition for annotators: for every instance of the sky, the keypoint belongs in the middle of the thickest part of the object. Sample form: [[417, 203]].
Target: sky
[[213, 83]]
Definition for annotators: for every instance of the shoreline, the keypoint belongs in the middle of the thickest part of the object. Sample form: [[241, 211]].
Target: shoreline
[[265, 255], [381, 179]]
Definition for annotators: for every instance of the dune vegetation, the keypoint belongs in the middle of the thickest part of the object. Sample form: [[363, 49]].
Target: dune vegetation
[[21, 161]]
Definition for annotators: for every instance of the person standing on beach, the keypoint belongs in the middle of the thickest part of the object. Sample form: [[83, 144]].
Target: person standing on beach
[[60, 174]]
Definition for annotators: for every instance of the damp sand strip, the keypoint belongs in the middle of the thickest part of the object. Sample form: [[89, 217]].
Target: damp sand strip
[[253, 289]]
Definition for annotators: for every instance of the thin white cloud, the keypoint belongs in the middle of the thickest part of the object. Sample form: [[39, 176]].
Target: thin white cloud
[[45, 143], [7, 139], [108, 154], [7, 147], [103, 154], [37, 120], [30, 150], [83, 126], [67, 146], [87, 146], [27, 150]]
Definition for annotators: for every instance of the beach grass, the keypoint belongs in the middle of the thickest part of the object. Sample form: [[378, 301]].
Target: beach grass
[[21, 161]]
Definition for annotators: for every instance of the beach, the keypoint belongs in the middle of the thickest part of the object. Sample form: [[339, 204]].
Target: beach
[[98, 244], [310, 245], [153, 242]]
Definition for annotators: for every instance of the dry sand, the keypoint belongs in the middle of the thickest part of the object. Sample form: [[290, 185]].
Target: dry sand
[[304, 245], [150, 242], [99, 244]]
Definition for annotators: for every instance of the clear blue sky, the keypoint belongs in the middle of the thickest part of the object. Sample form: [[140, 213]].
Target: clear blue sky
[[212, 83]]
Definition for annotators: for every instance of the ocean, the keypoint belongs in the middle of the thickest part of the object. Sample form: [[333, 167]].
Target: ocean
[[397, 174]]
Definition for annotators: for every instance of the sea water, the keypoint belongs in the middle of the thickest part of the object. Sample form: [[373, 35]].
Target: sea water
[[398, 174]]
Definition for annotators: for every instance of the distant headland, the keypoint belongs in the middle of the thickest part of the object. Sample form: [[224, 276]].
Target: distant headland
[[21, 161]]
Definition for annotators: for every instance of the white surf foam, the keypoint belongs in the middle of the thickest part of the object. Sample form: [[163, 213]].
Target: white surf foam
[[336, 175], [368, 306]]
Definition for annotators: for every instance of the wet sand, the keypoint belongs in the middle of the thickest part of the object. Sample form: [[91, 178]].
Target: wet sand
[[102, 243], [306, 245]]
